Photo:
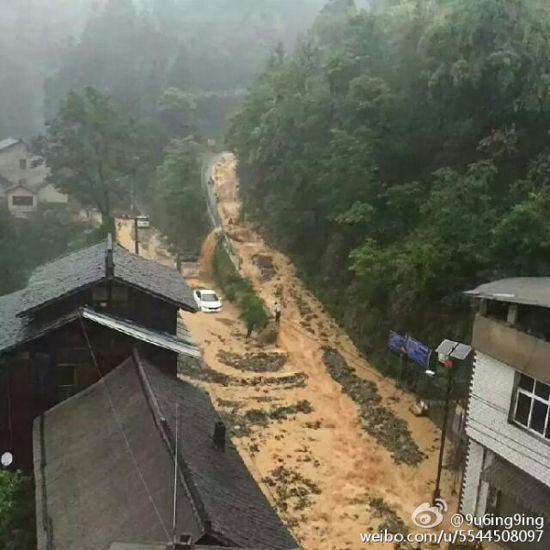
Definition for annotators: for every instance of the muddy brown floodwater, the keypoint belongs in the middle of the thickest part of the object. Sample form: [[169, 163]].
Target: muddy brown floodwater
[[298, 432]]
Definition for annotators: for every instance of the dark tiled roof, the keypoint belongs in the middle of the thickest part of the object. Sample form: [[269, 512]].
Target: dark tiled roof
[[104, 483], [151, 276], [93, 492], [86, 267], [228, 495], [64, 276], [19, 330], [15, 330], [12, 328]]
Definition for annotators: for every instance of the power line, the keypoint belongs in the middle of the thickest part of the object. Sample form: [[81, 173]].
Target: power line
[[119, 425]]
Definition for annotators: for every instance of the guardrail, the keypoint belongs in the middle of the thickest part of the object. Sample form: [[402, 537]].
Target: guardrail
[[209, 162]]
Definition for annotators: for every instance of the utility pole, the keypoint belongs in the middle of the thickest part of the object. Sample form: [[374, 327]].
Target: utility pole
[[135, 161], [136, 242], [437, 490], [447, 351]]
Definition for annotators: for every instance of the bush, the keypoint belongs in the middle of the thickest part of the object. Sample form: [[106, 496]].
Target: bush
[[239, 290], [17, 522]]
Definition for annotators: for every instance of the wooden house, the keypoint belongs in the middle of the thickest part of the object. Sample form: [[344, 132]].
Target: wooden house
[[78, 317]]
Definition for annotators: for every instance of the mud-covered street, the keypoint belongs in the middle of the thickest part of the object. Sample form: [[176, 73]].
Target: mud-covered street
[[333, 444]]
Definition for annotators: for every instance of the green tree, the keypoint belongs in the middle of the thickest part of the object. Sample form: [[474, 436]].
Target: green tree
[[89, 150], [400, 155], [178, 200], [17, 523]]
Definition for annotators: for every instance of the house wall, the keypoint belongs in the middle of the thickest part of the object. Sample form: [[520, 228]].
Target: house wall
[[33, 178], [51, 195], [127, 302], [21, 210], [510, 346], [475, 491], [11, 170], [30, 380], [491, 396]]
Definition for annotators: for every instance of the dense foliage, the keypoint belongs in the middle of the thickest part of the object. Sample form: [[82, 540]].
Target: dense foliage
[[49, 233], [179, 208], [89, 150], [239, 290], [136, 49], [17, 529], [402, 156]]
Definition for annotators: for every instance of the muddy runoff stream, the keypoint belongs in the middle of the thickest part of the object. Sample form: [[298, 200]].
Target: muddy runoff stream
[[332, 444]]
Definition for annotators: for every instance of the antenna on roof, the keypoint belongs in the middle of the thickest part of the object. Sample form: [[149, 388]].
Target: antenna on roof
[[109, 260], [175, 479]]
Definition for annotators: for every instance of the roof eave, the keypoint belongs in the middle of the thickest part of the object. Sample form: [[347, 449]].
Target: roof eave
[[42, 305]]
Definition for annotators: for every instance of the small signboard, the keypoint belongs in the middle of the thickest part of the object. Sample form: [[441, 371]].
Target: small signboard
[[418, 352], [396, 342]]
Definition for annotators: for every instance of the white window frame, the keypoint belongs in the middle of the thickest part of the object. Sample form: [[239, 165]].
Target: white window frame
[[533, 397], [31, 205]]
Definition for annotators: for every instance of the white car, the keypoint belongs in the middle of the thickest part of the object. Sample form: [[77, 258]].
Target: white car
[[207, 300]]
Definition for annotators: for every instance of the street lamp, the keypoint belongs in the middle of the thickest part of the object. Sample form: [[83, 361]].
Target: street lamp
[[134, 166], [446, 352]]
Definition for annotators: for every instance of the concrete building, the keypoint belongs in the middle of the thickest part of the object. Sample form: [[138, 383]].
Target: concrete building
[[23, 179], [508, 423]]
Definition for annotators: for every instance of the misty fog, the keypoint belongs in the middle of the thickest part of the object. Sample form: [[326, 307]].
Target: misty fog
[[48, 47]]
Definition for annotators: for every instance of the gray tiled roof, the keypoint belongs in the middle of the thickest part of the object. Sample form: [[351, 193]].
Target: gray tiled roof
[[151, 276], [85, 449], [86, 267], [63, 276], [520, 290], [227, 494], [19, 330], [15, 330], [8, 142], [12, 328], [104, 483]]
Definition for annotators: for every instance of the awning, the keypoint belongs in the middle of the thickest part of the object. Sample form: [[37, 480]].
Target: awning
[[153, 337], [530, 492]]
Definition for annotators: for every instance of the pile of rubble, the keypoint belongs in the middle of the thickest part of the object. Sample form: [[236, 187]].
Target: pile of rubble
[[306, 313], [378, 421], [266, 267], [391, 521], [200, 371], [292, 490], [253, 362], [241, 425]]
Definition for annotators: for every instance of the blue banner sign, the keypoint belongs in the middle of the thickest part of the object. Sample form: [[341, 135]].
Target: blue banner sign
[[418, 352], [396, 342]]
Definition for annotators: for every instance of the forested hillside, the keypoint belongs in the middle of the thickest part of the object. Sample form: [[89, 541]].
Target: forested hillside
[[402, 156], [149, 80], [135, 50]]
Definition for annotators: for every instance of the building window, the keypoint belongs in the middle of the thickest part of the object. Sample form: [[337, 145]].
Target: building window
[[23, 164], [533, 405], [22, 200], [65, 381]]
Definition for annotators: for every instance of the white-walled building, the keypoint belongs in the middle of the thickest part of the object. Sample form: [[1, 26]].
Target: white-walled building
[[23, 183], [508, 424]]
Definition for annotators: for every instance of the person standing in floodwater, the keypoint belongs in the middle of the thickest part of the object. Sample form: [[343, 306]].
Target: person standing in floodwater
[[277, 311]]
